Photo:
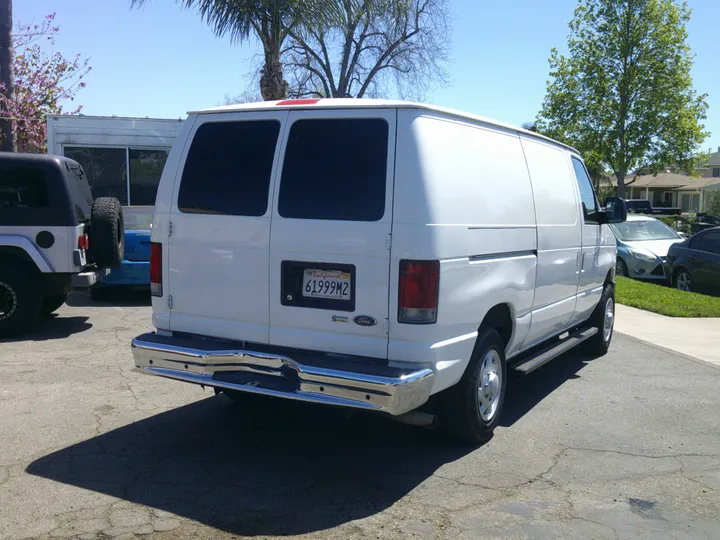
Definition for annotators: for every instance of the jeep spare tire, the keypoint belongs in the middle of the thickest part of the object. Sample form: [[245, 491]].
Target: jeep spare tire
[[107, 232]]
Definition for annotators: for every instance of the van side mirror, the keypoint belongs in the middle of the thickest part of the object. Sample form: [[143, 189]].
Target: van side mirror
[[615, 210]]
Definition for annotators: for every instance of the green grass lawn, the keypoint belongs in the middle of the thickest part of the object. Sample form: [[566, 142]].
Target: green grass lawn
[[665, 300]]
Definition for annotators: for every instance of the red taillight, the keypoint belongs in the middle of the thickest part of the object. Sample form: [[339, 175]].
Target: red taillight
[[83, 242], [419, 288], [297, 102], [156, 288]]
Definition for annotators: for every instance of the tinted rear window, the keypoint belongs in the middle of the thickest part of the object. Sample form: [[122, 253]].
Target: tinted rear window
[[23, 187], [228, 168], [335, 169], [711, 242]]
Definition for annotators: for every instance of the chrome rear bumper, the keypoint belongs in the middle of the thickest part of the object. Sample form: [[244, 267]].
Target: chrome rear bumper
[[300, 375]]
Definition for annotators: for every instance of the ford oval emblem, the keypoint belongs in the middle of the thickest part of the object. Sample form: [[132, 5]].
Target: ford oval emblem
[[364, 320]]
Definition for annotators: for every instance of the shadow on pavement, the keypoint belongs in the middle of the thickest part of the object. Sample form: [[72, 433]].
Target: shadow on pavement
[[54, 327], [274, 467], [115, 296], [524, 392], [288, 468]]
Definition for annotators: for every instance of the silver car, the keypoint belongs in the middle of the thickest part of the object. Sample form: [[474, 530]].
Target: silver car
[[642, 247]]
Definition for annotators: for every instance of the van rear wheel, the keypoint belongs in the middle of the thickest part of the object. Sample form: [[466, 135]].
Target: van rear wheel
[[471, 409]]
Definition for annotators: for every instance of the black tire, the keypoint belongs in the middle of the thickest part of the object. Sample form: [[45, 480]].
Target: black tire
[[107, 232], [599, 344], [51, 303], [20, 301], [682, 280], [621, 268], [460, 409]]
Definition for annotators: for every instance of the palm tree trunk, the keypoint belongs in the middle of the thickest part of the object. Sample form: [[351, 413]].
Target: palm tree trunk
[[273, 86], [7, 74]]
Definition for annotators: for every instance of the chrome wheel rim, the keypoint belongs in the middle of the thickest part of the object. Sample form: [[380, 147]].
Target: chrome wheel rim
[[608, 320], [683, 282], [489, 385], [8, 301]]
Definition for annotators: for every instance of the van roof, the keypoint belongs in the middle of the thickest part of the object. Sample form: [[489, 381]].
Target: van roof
[[342, 103]]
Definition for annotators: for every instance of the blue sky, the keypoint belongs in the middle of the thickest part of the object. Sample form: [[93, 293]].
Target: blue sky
[[162, 61]]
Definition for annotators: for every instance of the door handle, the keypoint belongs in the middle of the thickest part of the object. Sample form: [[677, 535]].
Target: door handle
[[693, 257]]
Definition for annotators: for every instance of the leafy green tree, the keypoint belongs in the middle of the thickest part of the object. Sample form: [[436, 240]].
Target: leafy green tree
[[624, 92], [712, 202], [270, 21]]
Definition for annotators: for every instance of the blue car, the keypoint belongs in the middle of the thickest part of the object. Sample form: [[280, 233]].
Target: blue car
[[135, 268], [642, 247]]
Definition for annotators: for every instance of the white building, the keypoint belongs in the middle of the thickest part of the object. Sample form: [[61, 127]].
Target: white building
[[123, 157]]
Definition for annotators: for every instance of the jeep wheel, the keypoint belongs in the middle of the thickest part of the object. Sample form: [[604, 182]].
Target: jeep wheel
[[20, 301], [471, 409], [107, 232], [51, 303]]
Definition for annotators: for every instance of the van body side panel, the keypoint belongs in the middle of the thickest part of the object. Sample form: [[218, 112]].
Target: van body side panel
[[559, 239], [218, 261], [463, 197], [315, 227], [164, 201]]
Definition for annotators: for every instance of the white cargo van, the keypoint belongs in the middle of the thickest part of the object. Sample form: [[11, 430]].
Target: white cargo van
[[372, 254]]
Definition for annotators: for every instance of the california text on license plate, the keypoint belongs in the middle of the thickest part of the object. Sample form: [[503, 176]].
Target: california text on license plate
[[333, 284]]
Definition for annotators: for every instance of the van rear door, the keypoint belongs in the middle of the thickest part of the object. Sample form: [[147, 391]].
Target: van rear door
[[330, 240], [219, 235]]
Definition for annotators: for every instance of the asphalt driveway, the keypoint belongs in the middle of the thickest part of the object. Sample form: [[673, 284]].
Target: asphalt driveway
[[626, 446]]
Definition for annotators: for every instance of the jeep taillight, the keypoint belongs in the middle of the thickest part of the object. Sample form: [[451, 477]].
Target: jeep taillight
[[419, 288], [156, 288], [83, 242]]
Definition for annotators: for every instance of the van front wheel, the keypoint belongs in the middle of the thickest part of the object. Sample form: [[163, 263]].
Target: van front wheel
[[471, 409], [603, 318]]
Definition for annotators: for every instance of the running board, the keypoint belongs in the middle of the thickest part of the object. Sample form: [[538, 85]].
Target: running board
[[544, 355]]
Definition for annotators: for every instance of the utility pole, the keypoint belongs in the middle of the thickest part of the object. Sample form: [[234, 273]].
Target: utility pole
[[7, 73]]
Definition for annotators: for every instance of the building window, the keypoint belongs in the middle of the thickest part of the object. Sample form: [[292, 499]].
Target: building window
[[716, 172], [108, 175], [146, 167], [106, 169]]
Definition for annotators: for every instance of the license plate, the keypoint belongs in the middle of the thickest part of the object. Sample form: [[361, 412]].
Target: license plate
[[332, 284]]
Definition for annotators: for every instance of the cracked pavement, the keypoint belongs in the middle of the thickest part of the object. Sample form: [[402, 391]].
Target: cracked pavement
[[625, 446]]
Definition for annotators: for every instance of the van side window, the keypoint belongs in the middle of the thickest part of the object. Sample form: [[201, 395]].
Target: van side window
[[23, 187], [587, 195], [228, 168], [335, 169]]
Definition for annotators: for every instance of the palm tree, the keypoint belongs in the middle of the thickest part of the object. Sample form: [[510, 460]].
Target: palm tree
[[7, 73], [270, 21]]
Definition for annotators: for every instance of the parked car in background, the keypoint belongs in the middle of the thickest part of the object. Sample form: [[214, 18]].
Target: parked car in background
[[642, 247], [53, 236], [694, 264], [643, 206], [135, 268]]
